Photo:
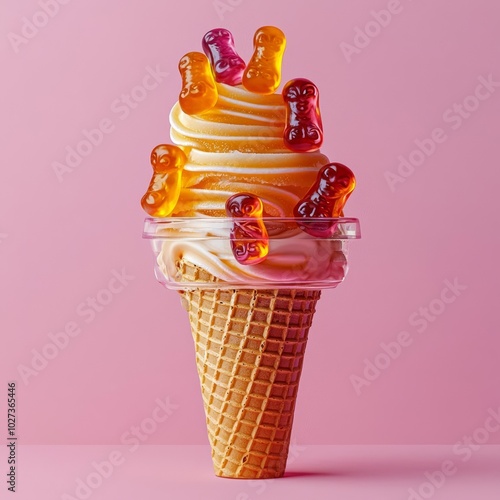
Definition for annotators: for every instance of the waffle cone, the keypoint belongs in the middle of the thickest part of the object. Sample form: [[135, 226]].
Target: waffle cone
[[250, 347]]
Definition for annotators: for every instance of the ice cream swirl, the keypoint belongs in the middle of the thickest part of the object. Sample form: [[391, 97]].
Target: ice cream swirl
[[238, 146]]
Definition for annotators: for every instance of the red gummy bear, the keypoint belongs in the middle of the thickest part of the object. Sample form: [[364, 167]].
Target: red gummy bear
[[218, 45], [304, 130], [325, 199], [249, 239]]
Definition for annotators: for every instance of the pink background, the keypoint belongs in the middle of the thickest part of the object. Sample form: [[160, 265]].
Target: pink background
[[61, 241], [377, 472]]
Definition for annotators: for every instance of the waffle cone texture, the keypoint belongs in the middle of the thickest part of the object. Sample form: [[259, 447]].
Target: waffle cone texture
[[250, 347]]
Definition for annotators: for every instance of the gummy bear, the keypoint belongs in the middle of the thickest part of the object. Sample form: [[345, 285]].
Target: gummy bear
[[304, 130], [263, 72], [165, 186], [249, 239], [199, 92], [326, 198], [228, 66]]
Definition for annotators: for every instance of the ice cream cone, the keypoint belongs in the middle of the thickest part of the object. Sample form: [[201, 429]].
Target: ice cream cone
[[250, 348], [246, 224]]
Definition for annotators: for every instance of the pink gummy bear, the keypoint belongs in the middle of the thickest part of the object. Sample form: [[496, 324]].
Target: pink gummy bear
[[218, 45]]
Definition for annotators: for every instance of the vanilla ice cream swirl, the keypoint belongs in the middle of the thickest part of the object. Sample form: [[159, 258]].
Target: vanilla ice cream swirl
[[238, 146]]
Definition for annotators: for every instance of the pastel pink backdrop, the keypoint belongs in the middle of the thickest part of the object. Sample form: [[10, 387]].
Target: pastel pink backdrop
[[61, 241]]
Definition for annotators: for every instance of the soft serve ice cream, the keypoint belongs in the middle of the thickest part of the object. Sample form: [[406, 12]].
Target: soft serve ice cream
[[241, 137], [238, 146]]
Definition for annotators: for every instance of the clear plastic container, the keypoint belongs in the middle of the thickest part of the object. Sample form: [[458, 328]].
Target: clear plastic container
[[296, 259]]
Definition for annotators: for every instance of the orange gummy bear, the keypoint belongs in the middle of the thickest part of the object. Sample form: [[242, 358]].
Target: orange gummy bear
[[199, 92], [248, 236], [325, 199], [263, 72], [165, 186]]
